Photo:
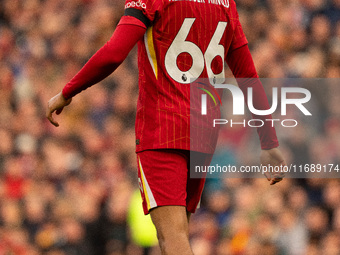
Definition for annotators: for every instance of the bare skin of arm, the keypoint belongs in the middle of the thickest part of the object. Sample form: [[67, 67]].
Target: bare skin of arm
[[273, 157], [56, 104]]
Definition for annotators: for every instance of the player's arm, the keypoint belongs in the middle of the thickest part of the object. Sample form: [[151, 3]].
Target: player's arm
[[242, 66], [106, 60]]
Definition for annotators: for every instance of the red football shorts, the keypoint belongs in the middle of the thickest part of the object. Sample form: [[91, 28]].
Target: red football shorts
[[164, 178]]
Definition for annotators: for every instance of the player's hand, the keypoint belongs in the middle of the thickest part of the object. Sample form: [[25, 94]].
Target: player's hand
[[56, 104], [273, 157]]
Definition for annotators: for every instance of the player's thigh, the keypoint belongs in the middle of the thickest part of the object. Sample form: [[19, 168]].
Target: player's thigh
[[170, 221], [162, 178]]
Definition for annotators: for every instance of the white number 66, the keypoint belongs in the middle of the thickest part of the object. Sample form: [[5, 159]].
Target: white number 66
[[180, 45]]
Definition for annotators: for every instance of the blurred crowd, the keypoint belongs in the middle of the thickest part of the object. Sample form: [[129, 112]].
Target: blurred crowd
[[67, 190]]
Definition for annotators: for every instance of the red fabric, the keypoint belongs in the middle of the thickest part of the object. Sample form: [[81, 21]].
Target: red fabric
[[242, 65], [164, 178], [160, 95], [163, 109], [128, 32]]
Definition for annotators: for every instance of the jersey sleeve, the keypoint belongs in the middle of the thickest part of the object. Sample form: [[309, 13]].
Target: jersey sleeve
[[241, 64], [239, 38], [149, 8], [108, 58]]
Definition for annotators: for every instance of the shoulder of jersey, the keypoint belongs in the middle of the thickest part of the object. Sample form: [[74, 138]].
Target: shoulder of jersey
[[144, 4], [225, 3]]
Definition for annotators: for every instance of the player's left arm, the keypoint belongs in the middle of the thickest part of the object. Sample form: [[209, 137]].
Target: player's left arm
[[106, 60], [242, 66]]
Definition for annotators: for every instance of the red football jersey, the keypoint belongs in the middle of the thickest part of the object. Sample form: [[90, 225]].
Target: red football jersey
[[186, 40]]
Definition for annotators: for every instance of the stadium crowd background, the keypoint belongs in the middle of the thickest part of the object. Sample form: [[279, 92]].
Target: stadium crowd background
[[67, 190]]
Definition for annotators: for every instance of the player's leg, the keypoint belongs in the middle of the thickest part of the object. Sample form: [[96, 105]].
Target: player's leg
[[172, 229], [172, 222], [169, 195], [163, 183]]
